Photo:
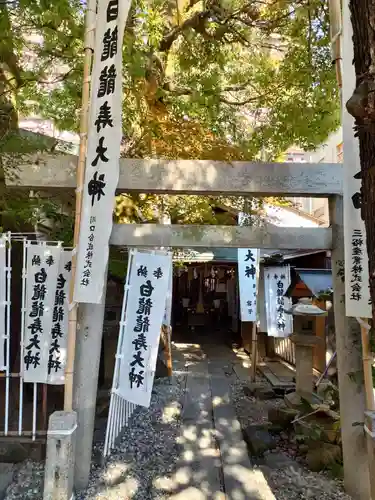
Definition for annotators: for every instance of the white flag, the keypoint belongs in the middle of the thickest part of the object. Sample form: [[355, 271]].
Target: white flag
[[168, 303], [42, 268], [248, 270], [59, 331], [103, 151], [276, 283], [143, 316]]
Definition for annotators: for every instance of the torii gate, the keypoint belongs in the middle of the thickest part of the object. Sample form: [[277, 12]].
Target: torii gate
[[47, 172], [57, 172]]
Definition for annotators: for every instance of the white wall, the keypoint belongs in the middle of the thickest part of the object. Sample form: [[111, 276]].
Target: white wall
[[46, 127], [327, 152]]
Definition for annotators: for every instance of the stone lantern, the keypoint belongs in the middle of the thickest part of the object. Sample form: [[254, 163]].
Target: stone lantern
[[304, 338]]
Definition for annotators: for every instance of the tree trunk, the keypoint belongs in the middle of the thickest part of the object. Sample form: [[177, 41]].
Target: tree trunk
[[362, 107]]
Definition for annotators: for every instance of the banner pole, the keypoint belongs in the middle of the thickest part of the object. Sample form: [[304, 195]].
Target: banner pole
[[254, 332], [89, 39]]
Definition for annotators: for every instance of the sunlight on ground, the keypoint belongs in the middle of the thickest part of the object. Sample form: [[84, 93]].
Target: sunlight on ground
[[180, 345], [254, 484], [204, 442], [171, 413], [188, 456], [114, 472], [183, 475], [190, 433], [206, 449], [115, 477], [216, 401], [164, 483], [243, 357], [187, 351], [210, 452]]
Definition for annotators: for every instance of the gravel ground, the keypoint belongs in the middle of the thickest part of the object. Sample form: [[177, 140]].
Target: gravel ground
[[28, 482], [252, 410], [298, 484], [292, 482], [146, 454]]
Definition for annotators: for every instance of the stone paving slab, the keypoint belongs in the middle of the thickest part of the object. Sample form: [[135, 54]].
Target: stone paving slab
[[198, 470], [215, 464], [242, 372], [199, 374], [275, 380], [198, 402], [241, 480], [196, 494]]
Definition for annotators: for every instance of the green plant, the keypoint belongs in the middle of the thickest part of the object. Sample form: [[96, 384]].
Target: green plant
[[215, 80]]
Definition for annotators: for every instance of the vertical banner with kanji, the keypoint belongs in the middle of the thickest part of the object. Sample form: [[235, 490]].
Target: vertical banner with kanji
[[248, 270], [3, 298], [357, 292], [143, 317], [276, 283], [59, 331], [42, 266], [103, 151], [168, 303]]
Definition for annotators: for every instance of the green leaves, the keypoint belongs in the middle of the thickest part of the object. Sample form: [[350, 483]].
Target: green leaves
[[259, 75], [223, 79]]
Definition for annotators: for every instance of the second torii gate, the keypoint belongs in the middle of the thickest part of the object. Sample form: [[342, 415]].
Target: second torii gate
[[57, 172]]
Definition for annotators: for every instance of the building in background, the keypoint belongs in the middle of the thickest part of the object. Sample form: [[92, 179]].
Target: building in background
[[331, 151]]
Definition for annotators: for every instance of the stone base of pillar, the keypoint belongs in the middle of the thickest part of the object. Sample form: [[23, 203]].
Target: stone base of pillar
[[59, 469], [304, 345], [295, 399]]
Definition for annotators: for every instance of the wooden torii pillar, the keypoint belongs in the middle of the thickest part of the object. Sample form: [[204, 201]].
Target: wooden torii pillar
[[55, 173]]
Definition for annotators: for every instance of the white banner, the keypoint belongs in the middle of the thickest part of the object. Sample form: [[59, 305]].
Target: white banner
[[3, 298], [42, 266], [168, 303], [59, 331], [103, 151], [143, 314], [276, 283], [262, 316], [357, 293], [248, 271]]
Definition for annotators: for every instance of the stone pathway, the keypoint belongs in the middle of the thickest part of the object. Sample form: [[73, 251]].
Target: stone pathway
[[214, 375], [215, 463], [189, 444]]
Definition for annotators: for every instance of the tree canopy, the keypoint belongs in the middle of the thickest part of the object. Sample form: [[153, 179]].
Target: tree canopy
[[257, 74], [210, 79]]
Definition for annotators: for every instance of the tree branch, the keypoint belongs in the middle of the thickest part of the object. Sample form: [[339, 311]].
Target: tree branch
[[230, 88], [247, 15], [197, 22], [239, 103]]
